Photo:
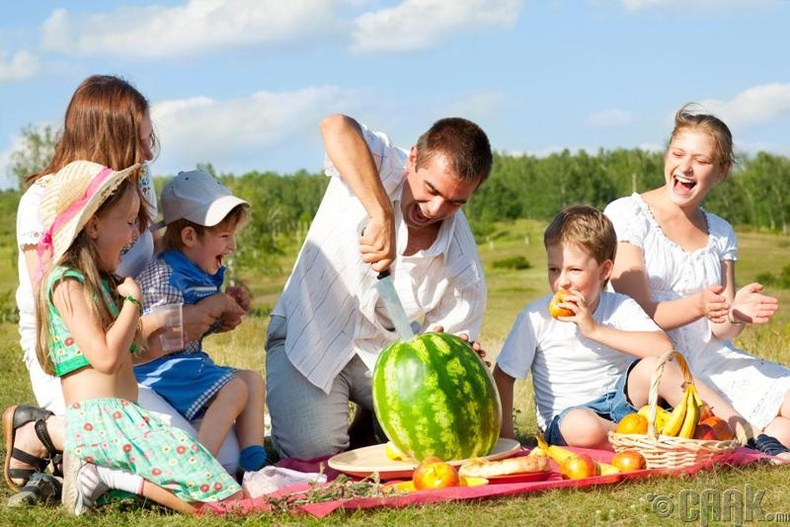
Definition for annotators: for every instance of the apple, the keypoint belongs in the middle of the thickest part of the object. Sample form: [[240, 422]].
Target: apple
[[704, 412], [578, 467], [720, 427], [705, 431], [629, 460], [433, 473], [554, 305]]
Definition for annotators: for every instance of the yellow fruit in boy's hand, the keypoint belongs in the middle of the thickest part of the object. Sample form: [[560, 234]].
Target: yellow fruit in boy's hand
[[554, 305], [633, 423]]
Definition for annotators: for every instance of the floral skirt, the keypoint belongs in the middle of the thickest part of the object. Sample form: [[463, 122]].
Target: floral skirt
[[119, 434]]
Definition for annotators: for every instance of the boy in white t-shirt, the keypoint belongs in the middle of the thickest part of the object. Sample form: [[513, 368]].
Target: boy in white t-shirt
[[592, 368]]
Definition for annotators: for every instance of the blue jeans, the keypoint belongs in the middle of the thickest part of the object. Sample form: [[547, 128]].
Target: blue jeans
[[612, 406], [308, 423]]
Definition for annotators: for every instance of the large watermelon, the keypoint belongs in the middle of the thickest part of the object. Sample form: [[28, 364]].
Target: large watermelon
[[434, 396]]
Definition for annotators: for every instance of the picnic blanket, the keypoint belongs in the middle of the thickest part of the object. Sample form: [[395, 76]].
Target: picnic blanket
[[740, 456]]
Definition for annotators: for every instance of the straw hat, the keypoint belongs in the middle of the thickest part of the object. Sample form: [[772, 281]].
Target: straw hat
[[71, 197]]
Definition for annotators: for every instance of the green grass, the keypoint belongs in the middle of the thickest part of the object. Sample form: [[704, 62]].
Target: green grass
[[509, 290]]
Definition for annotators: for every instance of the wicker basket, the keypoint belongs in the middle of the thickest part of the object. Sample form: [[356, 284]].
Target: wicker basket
[[662, 451]]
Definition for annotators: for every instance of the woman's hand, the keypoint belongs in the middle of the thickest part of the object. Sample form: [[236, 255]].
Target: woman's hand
[[714, 305], [198, 318], [751, 306], [241, 294], [222, 307]]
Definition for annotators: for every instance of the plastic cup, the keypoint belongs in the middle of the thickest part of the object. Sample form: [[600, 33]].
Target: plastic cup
[[171, 320]]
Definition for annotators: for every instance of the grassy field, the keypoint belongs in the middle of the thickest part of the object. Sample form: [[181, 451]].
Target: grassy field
[[509, 290]]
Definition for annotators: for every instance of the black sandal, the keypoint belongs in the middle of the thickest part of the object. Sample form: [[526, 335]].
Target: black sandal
[[15, 417], [767, 445]]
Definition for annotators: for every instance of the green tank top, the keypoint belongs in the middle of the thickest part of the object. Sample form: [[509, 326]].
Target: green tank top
[[63, 350]]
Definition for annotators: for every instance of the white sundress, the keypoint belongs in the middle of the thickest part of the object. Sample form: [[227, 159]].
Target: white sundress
[[755, 387]]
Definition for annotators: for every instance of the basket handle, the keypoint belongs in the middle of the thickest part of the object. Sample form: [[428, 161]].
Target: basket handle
[[655, 380]]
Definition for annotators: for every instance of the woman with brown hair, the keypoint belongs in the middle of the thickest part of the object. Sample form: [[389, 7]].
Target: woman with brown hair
[[108, 122]]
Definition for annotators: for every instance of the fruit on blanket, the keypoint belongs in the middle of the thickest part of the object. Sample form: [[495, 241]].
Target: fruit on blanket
[[629, 460], [470, 481], [554, 305], [578, 466], [433, 473], [557, 453], [434, 396], [634, 423], [562, 455], [705, 431], [722, 429]]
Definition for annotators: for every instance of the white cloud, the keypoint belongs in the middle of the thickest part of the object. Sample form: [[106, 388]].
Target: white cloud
[[636, 5], [757, 105], [244, 134], [18, 66], [419, 24], [196, 26], [611, 117]]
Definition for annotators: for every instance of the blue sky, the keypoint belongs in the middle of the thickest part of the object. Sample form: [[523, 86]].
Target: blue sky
[[243, 83]]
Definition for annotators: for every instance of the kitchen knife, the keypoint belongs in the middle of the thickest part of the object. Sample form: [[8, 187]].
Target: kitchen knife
[[393, 305]]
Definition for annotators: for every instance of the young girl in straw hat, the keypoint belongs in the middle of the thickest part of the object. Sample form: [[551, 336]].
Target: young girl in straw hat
[[88, 324]]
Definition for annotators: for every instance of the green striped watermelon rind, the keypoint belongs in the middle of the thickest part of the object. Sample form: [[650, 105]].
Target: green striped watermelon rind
[[415, 411]]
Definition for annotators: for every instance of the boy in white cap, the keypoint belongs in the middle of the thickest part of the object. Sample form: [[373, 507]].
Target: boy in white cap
[[202, 218], [89, 322]]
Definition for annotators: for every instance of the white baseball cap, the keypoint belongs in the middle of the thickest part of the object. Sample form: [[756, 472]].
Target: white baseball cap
[[197, 197]]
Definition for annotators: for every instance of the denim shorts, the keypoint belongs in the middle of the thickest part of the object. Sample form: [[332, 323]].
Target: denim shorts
[[612, 406]]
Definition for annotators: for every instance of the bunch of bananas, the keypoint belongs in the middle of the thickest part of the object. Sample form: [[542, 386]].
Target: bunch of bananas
[[682, 420]]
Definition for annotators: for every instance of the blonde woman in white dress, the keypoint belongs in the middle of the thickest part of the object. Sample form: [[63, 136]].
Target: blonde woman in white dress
[[677, 260]]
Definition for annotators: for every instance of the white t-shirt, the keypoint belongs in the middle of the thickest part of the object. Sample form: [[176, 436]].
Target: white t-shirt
[[567, 368], [330, 301]]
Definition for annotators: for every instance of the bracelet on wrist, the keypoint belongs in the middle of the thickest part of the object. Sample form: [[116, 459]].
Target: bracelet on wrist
[[136, 303]]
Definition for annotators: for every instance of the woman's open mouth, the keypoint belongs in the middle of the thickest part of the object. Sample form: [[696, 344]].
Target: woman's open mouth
[[683, 184]]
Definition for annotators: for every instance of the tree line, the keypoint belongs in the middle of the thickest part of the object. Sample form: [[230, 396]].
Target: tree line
[[756, 195]]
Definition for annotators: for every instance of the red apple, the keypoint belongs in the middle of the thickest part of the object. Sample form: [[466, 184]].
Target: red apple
[[705, 431], [578, 467], [433, 473], [721, 428]]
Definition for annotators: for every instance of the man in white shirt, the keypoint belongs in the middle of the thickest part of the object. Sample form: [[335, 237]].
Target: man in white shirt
[[384, 208]]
